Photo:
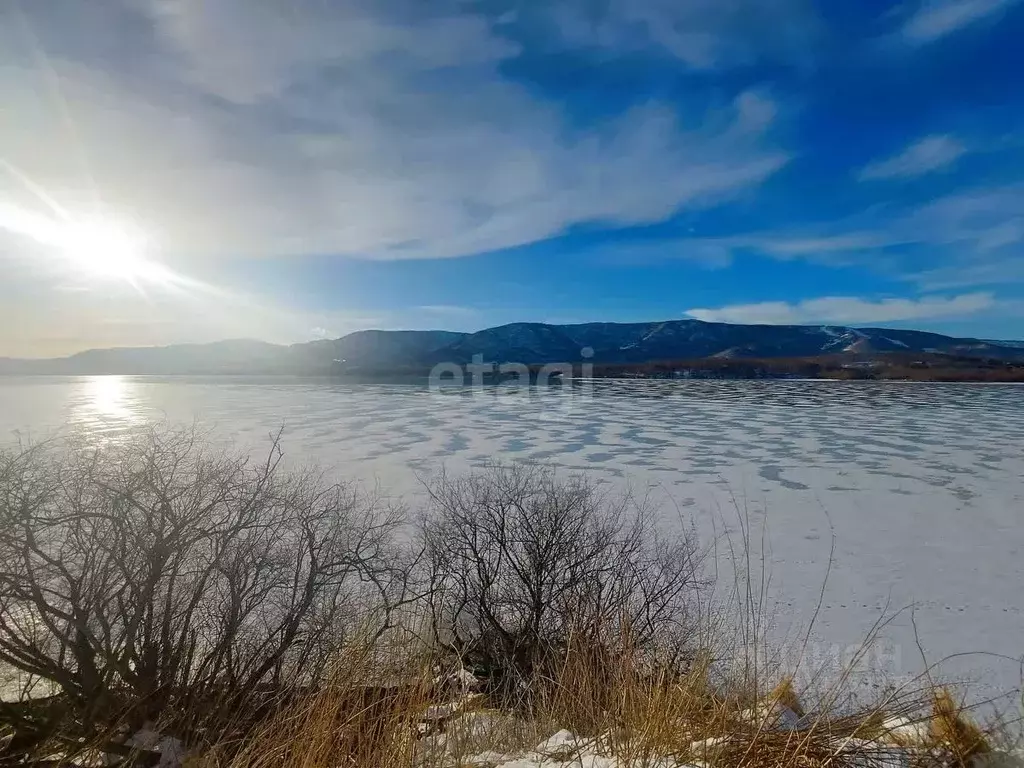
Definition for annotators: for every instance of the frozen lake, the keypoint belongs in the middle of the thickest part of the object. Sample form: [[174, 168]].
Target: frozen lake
[[922, 484]]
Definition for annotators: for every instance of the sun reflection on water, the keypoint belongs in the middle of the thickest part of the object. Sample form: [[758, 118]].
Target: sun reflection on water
[[106, 399]]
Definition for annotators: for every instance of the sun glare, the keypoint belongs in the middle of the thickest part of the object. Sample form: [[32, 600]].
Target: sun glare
[[105, 249], [100, 247]]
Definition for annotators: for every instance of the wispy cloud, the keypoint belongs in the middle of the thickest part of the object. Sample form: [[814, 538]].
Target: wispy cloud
[[847, 310], [792, 247], [963, 275], [378, 130], [834, 249], [704, 34], [973, 237], [228, 130], [932, 153], [938, 18]]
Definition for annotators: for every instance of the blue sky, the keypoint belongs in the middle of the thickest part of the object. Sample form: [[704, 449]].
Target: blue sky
[[300, 169]]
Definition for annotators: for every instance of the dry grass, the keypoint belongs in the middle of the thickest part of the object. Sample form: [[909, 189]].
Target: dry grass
[[952, 729], [630, 713], [371, 694], [380, 708]]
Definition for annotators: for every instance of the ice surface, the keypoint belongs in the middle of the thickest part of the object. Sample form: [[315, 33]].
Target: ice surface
[[919, 486]]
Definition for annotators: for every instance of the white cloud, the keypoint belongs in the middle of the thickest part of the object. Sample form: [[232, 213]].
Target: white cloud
[[704, 34], [847, 310], [932, 153], [959, 276], [381, 130], [832, 249], [802, 247], [975, 223], [938, 18], [970, 238], [231, 129], [965, 239]]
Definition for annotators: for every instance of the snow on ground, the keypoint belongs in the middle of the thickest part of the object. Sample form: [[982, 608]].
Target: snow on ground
[[560, 750], [460, 734], [918, 486], [901, 748]]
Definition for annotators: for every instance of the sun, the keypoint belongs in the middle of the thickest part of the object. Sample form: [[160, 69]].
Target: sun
[[101, 247], [106, 249]]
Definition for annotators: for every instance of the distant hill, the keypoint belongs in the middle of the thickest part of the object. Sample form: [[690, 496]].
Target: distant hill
[[534, 343], [374, 348], [221, 357], [528, 343], [1019, 344]]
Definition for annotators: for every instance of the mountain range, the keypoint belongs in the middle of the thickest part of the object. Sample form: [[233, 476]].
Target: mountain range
[[528, 343]]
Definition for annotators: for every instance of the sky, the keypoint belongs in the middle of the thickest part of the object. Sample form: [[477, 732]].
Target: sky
[[190, 170]]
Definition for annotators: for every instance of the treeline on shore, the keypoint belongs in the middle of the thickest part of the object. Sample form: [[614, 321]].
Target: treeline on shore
[[890, 366], [847, 367]]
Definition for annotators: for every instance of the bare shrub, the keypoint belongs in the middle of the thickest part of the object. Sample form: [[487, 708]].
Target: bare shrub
[[155, 577], [521, 561], [248, 611]]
